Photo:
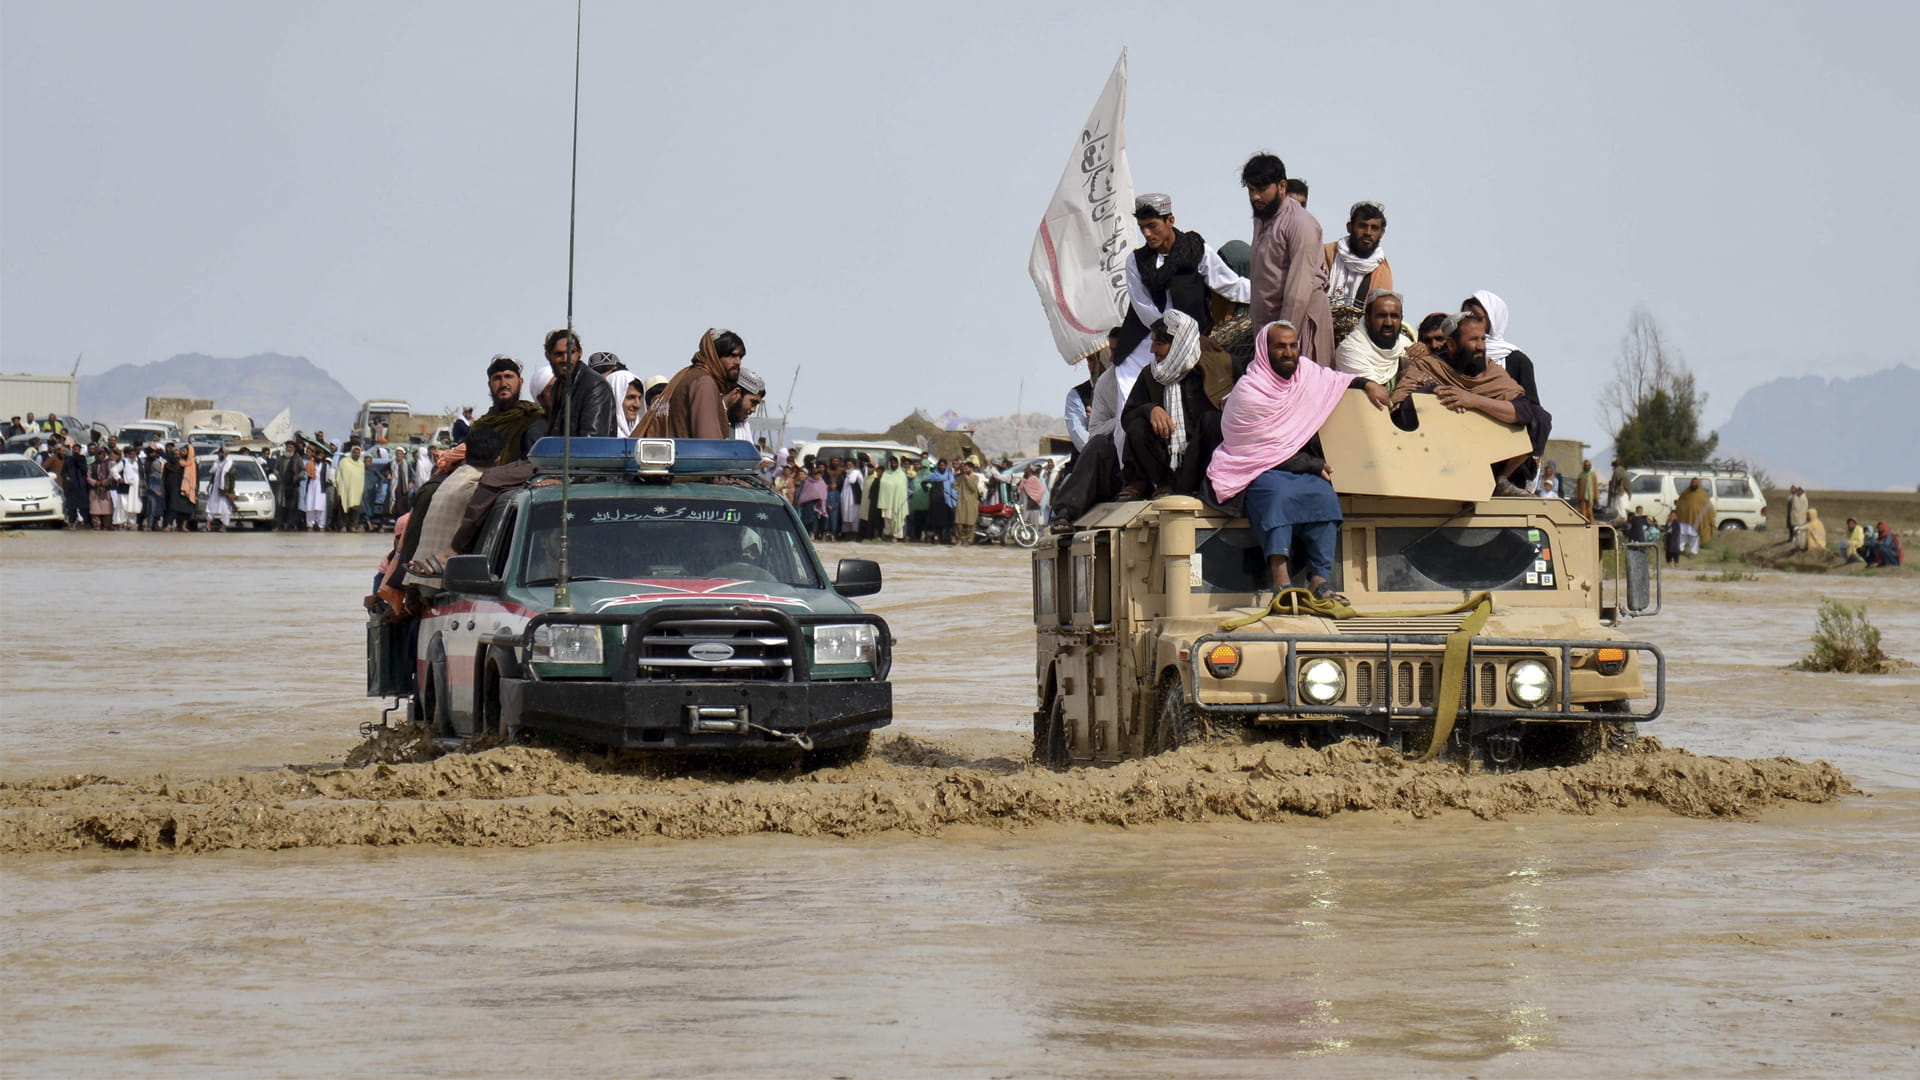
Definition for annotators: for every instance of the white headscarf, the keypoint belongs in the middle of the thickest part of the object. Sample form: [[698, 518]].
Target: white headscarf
[[1358, 355], [619, 381], [1497, 344], [1348, 270], [1168, 370]]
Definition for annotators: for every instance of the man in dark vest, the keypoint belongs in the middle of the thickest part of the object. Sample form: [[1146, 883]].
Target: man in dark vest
[[1175, 271]]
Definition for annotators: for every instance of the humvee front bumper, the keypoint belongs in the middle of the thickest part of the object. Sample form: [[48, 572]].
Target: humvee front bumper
[[1392, 677], [636, 708]]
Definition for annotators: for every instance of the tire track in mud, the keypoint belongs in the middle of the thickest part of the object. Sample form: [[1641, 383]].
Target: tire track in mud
[[518, 796]]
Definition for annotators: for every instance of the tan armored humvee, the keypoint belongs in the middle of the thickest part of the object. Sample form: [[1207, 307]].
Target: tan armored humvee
[[1154, 622]]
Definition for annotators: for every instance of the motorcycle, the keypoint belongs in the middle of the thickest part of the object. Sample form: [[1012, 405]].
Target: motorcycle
[[1001, 523]]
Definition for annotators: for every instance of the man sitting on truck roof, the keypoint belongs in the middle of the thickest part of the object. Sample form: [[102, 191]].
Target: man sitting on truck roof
[[1270, 451], [449, 508], [1171, 425], [1376, 348], [1463, 380], [578, 402], [694, 404], [520, 423]]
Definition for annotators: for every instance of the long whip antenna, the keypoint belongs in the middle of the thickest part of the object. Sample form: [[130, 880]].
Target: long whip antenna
[[562, 601]]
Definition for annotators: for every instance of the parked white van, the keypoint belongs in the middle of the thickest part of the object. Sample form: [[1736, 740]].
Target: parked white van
[[1738, 502], [849, 450]]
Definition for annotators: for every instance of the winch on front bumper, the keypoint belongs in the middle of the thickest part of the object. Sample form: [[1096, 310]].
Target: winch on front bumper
[[705, 677], [1381, 681]]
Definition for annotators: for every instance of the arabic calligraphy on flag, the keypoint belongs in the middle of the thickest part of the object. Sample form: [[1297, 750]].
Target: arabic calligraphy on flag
[[1079, 255]]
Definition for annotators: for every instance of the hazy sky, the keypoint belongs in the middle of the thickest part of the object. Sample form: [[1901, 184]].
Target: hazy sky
[[382, 187]]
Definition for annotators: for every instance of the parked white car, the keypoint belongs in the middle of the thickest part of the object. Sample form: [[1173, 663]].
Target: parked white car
[[1738, 502], [28, 496]]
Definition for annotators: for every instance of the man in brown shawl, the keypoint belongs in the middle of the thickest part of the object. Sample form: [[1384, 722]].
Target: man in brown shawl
[[1462, 380], [1289, 260], [1695, 508], [694, 404]]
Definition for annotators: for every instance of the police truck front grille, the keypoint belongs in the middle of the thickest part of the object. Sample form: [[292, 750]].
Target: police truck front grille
[[715, 649]]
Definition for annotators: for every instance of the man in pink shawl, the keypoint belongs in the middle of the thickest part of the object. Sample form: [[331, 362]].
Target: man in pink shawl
[[1270, 451], [1289, 262]]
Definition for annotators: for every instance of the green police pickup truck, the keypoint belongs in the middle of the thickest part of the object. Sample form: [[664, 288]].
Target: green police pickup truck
[[697, 615]]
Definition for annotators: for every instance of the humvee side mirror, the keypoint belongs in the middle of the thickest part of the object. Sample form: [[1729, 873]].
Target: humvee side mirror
[[470, 574], [857, 577]]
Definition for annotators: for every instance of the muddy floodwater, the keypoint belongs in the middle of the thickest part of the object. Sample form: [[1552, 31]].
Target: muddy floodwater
[[193, 885]]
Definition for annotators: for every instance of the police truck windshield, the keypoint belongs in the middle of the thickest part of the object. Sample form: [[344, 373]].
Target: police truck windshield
[[670, 537]]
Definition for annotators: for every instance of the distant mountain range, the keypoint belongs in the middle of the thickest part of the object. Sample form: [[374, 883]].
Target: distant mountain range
[[1851, 434], [259, 385]]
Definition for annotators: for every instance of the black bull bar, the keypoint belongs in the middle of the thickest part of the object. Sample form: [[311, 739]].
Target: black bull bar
[[1430, 648]]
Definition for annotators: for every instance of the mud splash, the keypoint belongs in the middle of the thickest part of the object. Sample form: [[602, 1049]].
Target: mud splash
[[519, 797]]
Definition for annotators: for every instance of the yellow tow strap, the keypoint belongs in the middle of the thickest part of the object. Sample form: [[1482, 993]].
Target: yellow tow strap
[[1453, 664]]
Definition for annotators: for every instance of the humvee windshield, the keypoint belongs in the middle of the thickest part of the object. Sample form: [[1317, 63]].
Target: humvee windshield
[[1425, 559], [668, 537], [1229, 561]]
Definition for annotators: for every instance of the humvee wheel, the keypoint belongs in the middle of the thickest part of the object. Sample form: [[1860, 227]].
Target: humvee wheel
[[1050, 733], [1174, 722]]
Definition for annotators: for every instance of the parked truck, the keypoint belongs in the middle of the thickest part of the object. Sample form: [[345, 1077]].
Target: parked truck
[[41, 395]]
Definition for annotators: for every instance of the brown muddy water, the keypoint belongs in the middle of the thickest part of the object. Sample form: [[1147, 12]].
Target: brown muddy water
[[937, 910]]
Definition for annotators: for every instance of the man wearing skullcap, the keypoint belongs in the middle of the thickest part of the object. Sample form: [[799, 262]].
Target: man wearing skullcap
[[749, 390], [1175, 271]]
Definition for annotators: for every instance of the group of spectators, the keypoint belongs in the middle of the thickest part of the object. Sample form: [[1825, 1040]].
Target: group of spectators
[[1879, 546], [149, 487], [1228, 362], [932, 500]]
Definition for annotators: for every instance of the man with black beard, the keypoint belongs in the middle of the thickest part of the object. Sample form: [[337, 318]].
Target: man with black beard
[[1463, 380], [1356, 265], [579, 403], [1174, 272], [1289, 260], [520, 423], [1376, 348]]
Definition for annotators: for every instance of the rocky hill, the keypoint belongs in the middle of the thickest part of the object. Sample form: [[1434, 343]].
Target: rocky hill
[[1850, 434], [259, 385]]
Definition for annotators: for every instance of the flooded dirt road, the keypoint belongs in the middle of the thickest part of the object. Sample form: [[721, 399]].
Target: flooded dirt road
[[1665, 915]]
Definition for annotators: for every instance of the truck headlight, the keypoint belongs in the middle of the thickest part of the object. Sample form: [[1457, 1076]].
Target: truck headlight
[[850, 643], [1322, 681], [567, 643], [1528, 683]]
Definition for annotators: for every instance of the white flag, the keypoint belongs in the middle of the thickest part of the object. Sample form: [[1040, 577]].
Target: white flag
[[280, 428], [1079, 260]]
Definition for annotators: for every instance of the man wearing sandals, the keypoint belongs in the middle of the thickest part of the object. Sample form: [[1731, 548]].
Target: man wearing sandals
[[1270, 451]]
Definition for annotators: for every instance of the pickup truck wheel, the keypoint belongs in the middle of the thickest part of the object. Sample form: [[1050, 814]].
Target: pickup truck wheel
[[487, 707], [1050, 733], [434, 707], [1174, 723], [838, 754]]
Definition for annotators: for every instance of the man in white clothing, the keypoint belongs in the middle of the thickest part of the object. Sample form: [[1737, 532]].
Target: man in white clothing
[[1356, 263], [220, 492]]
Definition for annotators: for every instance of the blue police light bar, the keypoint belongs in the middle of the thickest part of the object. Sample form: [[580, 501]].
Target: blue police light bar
[[648, 457]]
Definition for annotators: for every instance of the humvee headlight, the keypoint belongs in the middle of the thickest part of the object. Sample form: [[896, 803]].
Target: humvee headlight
[[567, 643], [851, 643], [1528, 683], [1322, 681], [1611, 661], [1222, 661]]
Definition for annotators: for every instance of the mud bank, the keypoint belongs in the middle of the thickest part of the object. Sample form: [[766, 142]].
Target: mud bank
[[519, 797]]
